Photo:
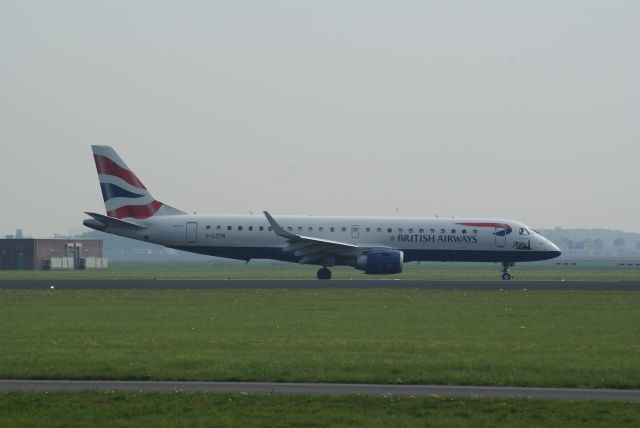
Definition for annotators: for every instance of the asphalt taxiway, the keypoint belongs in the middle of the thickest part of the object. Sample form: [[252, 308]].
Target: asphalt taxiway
[[180, 284], [321, 389]]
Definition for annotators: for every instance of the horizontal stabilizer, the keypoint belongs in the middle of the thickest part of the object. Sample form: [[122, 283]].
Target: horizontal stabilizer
[[102, 222]]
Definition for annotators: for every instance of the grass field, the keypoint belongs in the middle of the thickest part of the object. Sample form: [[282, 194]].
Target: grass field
[[261, 270], [227, 410], [588, 339]]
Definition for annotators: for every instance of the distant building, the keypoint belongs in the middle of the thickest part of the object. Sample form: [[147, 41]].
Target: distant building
[[35, 254]]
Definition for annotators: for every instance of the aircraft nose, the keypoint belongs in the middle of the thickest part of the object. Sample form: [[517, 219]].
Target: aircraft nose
[[554, 250]]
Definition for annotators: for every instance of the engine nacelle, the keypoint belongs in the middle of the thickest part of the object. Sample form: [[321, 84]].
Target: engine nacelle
[[381, 262]]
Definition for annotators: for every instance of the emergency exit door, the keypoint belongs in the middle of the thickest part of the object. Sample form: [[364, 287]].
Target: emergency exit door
[[192, 231], [501, 236]]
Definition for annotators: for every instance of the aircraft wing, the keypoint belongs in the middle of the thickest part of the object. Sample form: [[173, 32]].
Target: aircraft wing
[[314, 250]]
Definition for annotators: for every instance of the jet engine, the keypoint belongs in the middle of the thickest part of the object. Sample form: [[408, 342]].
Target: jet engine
[[380, 262]]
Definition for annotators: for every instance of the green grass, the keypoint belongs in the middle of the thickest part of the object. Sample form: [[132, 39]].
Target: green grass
[[587, 339], [227, 410], [261, 270]]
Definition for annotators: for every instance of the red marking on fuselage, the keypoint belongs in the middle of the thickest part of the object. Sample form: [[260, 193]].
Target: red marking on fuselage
[[485, 224], [501, 225]]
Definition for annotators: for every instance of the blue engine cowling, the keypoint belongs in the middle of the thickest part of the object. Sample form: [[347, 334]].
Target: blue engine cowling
[[381, 262]]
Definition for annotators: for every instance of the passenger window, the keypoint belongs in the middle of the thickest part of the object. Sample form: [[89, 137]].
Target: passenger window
[[410, 230], [228, 227], [464, 231], [332, 229], [290, 229], [310, 229], [368, 229], [379, 230], [209, 227], [250, 228], [344, 229], [399, 230], [239, 227], [299, 228], [270, 229], [443, 231], [432, 230], [421, 231], [453, 231], [475, 231], [218, 227], [389, 230], [261, 228], [320, 229]]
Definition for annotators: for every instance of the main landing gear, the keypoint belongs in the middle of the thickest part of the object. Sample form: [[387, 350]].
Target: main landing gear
[[324, 273], [506, 276]]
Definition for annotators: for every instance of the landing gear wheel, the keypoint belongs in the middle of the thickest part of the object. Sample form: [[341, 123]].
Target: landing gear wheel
[[324, 273], [506, 276]]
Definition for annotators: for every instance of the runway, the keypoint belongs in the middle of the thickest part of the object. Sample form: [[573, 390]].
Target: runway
[[333, 389], [178, 284]]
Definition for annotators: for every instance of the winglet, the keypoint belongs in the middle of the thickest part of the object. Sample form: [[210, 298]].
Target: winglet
[[277, 228]]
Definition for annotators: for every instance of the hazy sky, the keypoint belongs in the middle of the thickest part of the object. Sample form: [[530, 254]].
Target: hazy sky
[[519, 109]]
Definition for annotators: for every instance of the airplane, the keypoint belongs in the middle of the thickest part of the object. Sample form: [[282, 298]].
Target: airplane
[[375, 245]]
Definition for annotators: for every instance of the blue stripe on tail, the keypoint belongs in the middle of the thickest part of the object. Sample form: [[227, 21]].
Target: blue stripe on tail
[[110, 191]]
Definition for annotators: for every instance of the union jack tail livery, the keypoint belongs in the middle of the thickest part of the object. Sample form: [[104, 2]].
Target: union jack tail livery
[[125, 197]]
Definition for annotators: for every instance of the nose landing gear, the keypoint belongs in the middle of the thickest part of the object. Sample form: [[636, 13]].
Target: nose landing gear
[[324, 273], [506, 276]]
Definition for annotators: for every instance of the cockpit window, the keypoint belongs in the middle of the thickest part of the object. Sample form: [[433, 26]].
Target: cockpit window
[[524, 231]]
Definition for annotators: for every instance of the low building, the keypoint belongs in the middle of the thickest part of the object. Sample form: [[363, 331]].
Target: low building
[[34, 254]]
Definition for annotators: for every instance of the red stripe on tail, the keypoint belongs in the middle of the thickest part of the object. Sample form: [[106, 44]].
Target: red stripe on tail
[[109, 167], [136, 211]]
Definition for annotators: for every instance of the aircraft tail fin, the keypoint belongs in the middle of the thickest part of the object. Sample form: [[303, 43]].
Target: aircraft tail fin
[[123, 193]]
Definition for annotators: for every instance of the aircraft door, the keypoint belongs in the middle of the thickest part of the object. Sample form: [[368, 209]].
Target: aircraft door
[[192, 231], [501, 236], [355, 231]]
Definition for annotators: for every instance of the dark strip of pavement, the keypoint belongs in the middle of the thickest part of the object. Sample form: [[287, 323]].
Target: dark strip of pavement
[[332, 389], [315, 284]]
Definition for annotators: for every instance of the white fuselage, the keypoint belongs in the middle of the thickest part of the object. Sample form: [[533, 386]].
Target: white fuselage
[[248, 237]]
